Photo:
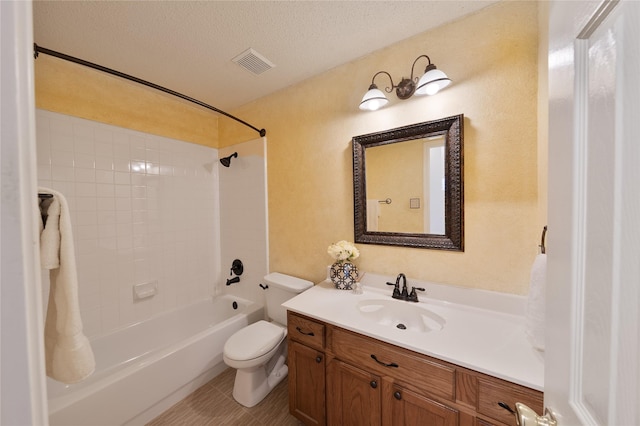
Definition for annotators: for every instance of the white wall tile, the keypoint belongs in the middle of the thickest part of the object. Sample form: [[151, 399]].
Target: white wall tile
[[123, 204], [105, 190], [103, 149], [134, 219], [62, 142], [62, 173], [105, 203], [121, 151], [122, 178], [62, 158], [86, 161], [104, 162], [84, 189], [104, 176], [82, 143], [121, 164], [138, 166], [44, 172]]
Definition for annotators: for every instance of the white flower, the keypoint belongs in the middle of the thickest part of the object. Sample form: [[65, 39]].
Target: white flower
[[343, 250]]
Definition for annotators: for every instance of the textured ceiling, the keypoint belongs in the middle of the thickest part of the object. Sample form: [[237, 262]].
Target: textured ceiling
[[187, 46]]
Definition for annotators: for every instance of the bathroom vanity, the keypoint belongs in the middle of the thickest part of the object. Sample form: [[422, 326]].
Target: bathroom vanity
[[350, 363]]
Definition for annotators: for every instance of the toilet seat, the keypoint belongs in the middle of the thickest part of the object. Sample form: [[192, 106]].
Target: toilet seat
[[254, 341]]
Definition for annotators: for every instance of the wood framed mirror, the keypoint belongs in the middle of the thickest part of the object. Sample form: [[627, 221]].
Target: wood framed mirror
[[408, 186]]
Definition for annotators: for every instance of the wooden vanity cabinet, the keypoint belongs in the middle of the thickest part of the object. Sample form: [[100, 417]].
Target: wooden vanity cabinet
[[412, 408], [353, 395], [338, 377], [307, 384], [307, 370]]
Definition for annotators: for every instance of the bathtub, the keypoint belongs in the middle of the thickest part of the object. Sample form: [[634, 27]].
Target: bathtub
[[145, 368]]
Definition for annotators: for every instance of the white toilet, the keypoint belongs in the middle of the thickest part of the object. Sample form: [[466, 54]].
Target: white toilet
[[259, 351]]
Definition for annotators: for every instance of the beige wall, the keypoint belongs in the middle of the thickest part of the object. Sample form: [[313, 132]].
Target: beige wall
[[492, 58], [72, 89]]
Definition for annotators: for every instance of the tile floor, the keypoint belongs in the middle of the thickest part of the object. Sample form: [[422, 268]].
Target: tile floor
[[213, 404]]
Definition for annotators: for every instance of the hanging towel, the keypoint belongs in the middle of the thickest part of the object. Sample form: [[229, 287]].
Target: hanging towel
[[373, 213], [534, 320], [50, 235], [68, 353]]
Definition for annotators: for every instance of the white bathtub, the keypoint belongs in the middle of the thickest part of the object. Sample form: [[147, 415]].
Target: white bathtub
[[145, 368]]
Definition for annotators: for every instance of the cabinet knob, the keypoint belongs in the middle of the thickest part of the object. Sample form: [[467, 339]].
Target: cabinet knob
[[374, 384], [319, 359], [397, 395]]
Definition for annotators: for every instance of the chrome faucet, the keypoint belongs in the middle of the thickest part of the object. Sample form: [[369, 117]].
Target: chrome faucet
[[404, 294]]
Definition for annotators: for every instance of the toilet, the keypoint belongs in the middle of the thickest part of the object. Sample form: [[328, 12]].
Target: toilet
[[259, 351]]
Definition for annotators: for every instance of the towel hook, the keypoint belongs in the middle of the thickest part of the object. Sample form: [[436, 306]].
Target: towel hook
[[543, 249]]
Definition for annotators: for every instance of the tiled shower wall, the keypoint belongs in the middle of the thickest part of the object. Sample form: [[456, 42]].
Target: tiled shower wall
[[143, 208]]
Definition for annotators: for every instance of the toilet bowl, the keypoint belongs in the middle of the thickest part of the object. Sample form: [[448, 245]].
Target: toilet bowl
[[259, 351]]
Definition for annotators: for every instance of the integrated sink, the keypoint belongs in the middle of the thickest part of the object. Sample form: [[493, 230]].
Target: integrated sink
[[401, 315]]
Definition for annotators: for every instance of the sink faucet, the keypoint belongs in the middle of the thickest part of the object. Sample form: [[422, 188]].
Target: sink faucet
[[397, 293], [404, 294]]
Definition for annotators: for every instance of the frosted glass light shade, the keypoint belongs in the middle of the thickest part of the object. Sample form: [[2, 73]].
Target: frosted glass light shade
[[374, 99], [432, 82]]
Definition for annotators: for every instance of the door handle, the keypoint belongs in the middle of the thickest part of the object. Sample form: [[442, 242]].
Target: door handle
[[525, 416]]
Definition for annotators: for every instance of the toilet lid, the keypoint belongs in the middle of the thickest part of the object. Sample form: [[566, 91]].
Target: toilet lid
[[253, 341]]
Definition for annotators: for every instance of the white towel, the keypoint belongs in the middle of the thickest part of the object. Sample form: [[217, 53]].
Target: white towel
[[50, 236], [69, 356], [536, 302], [373, 213]]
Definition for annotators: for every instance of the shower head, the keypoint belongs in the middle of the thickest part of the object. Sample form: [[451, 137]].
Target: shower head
[[226, 161]]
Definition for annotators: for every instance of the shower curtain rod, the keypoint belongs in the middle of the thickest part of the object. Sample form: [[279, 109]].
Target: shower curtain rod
[[37, 50]]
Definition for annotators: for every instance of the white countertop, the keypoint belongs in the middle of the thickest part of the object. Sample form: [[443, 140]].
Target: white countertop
[[483, 331]]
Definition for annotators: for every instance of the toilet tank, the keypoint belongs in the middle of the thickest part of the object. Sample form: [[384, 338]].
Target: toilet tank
[[282, 288]]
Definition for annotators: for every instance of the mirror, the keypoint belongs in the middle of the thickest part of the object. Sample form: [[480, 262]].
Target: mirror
[[408, 186]]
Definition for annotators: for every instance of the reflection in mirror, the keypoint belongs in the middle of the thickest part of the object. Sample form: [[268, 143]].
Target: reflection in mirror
[[408, 186], [411, 176]]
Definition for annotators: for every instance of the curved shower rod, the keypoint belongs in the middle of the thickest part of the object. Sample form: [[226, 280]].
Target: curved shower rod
[[37, 50]]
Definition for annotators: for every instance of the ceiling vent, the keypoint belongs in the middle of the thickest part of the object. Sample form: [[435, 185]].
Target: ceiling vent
[[253, 62]]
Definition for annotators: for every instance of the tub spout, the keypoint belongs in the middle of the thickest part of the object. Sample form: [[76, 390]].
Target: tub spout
[[233, 280]]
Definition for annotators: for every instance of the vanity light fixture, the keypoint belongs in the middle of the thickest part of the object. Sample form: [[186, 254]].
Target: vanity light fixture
[[432, 81]]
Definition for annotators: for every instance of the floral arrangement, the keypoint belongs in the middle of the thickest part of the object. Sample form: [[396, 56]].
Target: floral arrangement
[[343, 251]]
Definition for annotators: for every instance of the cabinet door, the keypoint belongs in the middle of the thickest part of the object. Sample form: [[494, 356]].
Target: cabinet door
[[353, 396], [409, 408], [306, 384]]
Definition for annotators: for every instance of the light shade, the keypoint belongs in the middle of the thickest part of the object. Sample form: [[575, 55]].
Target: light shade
[[374, 99], [432, 82]]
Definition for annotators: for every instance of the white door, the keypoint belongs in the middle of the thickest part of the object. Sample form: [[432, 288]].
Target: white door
[[592, 357], [23, 399]]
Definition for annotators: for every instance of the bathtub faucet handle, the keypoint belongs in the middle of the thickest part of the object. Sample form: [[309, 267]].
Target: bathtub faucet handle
[[233, 280]]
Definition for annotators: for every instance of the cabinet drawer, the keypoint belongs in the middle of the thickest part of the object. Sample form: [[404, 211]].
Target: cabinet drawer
[[400, 364], [491, 393], [305, 330]]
